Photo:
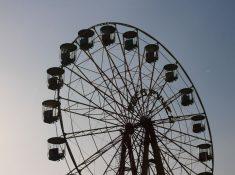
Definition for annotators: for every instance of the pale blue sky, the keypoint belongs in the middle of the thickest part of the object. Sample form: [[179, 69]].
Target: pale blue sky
[[201, 34]]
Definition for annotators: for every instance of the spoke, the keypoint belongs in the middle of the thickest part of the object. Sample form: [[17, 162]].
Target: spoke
[[150, 86], [181, 165], [93, 131], [69, 107], [102, 73], [179, 136], [108, 165], [98, 107], [110, 62], [119, 73], [148, 102], [140, 67], [167, 164], [186, 151], [188, 143], [127, 65], [173, 156], [163, 105], [98, 154], [158, 83], [88, 116], [94, 107], [97, 49], [106, 70], [184, 133], [138, 144], [186, 164], [102, 93], [175, 119]]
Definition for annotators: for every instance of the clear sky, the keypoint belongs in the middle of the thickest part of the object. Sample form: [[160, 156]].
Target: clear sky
[[200, 33]]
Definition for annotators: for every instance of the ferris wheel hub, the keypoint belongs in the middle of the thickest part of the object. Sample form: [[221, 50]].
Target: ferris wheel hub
[[145, 122], [129, 128]]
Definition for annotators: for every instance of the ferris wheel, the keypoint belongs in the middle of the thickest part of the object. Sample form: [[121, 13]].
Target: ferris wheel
[[123, 104]]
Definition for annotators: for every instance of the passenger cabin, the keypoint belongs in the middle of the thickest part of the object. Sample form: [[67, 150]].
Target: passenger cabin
[[198, 123], [205, 152], [170, 72], [107, 34], [186, 96], [50, 111], [55, 78], [85, 39], [151, 53], [130, 40], [68, 53], [56, 146]]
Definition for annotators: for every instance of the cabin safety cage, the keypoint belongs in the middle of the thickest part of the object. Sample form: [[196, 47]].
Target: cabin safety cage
[[124, 105]]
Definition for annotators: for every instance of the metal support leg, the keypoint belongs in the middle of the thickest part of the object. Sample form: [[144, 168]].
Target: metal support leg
[[126, 144], [156, 151], [145, 163], [123, 158], [131, 156]]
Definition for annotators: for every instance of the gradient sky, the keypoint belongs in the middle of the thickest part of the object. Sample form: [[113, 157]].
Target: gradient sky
[[200, 33]]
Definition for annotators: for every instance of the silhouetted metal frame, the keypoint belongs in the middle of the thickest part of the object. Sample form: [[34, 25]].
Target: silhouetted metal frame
[[177, 62]]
